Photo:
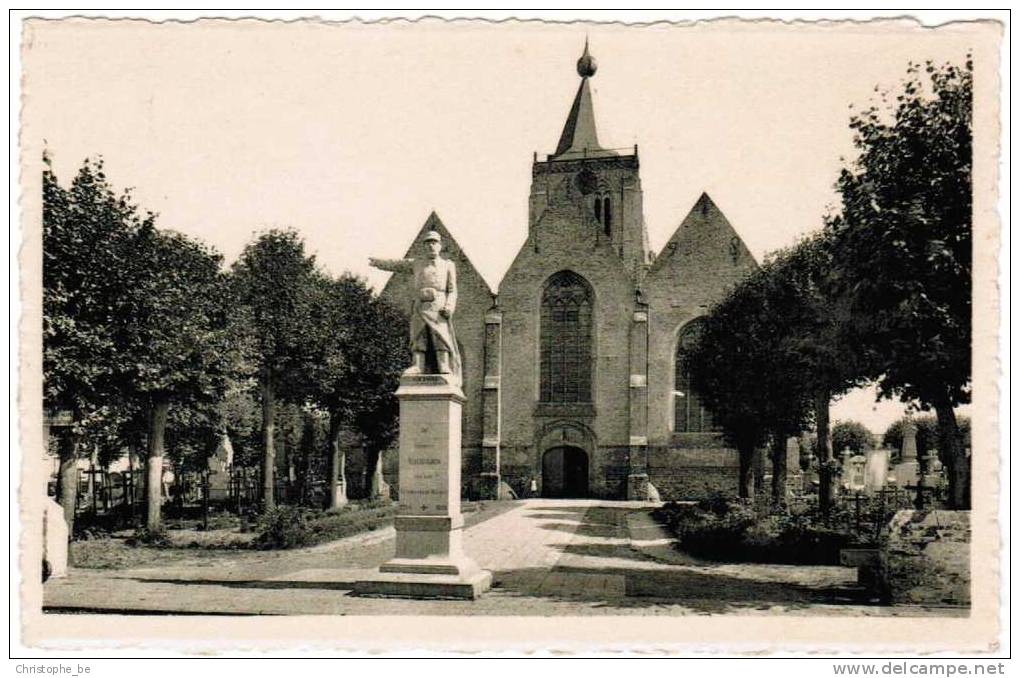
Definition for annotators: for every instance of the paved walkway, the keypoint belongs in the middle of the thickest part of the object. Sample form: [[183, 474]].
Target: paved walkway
[[548, 557]]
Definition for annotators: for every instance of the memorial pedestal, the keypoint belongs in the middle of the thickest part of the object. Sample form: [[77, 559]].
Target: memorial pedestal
[[429, 561], [907, 473]]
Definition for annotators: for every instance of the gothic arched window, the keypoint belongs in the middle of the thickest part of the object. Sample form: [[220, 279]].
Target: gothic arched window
[[689, 414], [566, 328]]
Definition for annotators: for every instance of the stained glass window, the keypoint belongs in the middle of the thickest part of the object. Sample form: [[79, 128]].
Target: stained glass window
[[566, 327], [689, 414]]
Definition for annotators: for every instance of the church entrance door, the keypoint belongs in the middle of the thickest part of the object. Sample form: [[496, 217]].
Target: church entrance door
[[565, 472]]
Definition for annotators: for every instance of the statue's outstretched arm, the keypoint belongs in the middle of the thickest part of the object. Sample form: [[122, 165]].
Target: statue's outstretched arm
[[392, 265]]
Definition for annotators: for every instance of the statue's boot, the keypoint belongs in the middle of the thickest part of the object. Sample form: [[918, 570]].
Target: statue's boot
[[443, 360], [419, 364]]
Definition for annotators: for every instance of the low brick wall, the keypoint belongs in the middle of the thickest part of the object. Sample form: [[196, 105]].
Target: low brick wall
[[693, 472], [926, 559]]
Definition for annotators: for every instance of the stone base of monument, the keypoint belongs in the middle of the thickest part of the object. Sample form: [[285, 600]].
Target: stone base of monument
[[907, 472], [339, 495], [430, 586], [429, 561]]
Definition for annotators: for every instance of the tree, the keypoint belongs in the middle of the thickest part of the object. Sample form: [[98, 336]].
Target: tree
[[275, 282], [851, 435], [362, 355], [87, 230], [723, 366], [817, 332], [239, 417], [752, 378], [377, 421], [903, 243], [926, 436], [174, 338]]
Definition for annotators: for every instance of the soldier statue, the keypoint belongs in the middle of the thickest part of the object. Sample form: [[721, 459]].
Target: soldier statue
[[434, 300]]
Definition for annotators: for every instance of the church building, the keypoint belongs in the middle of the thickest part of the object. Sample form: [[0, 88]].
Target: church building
[[571, 368]]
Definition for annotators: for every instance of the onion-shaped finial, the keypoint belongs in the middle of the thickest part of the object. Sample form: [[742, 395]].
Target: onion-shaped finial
[[586, 65]]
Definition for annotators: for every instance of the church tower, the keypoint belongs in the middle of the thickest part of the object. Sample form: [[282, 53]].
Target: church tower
[[574, 370], [585, 191]]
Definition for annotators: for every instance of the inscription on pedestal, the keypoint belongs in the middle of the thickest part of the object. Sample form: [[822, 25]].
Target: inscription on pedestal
[[425, 490]]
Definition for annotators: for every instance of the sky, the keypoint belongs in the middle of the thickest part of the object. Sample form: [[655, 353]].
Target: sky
[[352, 133]]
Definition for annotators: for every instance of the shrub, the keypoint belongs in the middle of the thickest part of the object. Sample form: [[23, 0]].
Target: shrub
[[734, 531], [143, 536], [289, 527]]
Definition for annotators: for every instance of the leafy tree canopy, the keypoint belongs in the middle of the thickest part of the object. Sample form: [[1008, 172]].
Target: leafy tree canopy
[[851, 435], [904, 234], [87, 234]]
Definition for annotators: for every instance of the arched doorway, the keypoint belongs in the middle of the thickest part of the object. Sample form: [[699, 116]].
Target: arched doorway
[[565, 472]]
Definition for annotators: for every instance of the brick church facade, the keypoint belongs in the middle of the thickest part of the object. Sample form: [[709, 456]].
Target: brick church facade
[[571, 367]]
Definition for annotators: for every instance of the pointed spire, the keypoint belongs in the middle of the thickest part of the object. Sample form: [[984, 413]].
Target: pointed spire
[[579, 137]]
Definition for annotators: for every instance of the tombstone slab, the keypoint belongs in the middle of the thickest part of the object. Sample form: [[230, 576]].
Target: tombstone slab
[[429, 561], [876, 469]]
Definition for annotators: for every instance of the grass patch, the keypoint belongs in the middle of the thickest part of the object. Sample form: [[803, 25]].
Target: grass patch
[[285, 528]]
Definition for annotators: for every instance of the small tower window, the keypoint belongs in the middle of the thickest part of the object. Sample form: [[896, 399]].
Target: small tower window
[[598, 209]]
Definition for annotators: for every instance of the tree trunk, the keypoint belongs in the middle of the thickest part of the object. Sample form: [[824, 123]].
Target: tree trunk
[[779, 469], [93, 464], [746, 483], [826, 488], [154, 465], [268, 444], [67, 477], [758, 472], [337, 465], [951, 450]]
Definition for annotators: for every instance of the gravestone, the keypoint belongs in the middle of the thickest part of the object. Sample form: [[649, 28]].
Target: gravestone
[[844, 464], [794, 481], [810, 481], [220, 464], [931, 469], [54, 539], [429, 561], [907, 471], [379, 488], [876, 470], [854, 475]]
